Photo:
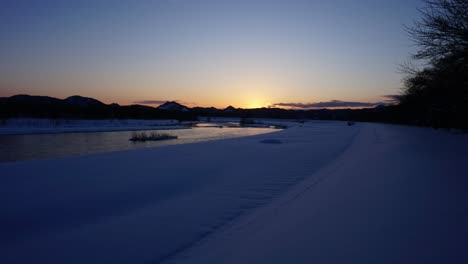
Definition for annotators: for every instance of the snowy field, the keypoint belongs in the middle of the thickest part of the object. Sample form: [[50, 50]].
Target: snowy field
[[322, 192]]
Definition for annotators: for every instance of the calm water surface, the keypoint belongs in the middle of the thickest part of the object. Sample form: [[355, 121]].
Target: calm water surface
[[43, 146]]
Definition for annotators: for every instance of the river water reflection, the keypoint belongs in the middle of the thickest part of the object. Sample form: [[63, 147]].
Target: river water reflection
[[43, 146]]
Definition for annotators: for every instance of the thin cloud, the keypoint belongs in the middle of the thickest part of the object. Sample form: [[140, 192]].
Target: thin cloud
[[328, 104], [150, 102], [392, 98]]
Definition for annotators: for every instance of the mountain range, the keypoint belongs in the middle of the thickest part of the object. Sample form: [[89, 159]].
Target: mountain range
[[84, 107]]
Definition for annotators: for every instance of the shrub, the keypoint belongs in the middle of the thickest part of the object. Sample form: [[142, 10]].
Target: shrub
[[153, 136]]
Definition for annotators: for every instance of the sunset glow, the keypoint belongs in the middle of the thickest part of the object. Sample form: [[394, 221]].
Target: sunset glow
[[233, 131], [204, 53]]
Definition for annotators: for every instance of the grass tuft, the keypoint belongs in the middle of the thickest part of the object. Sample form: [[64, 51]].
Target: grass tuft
[[153, 136]]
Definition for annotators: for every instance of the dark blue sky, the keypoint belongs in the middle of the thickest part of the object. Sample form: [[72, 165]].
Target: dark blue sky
[[245, 53]]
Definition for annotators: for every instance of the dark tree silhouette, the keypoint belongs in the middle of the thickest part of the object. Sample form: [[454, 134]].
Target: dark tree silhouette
[[442, 30], [438, 94]]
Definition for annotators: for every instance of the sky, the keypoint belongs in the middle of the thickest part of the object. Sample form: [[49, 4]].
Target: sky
[[206, 52]]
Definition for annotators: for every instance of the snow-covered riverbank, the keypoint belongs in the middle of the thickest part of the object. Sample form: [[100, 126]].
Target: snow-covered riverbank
[[323, 192], [396, 195]]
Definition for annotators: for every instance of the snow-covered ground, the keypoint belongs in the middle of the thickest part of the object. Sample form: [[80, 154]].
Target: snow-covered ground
[[396, 195], [322, 192], [14, 126]]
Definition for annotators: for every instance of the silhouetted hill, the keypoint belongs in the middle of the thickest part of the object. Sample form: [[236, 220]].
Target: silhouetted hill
[[89, 108], [80, 101], [173, 106], [30, 99], [81, 107], [229, 109]]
